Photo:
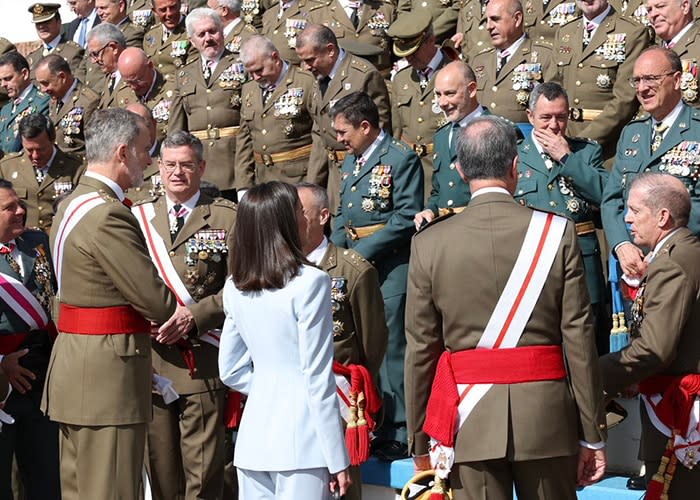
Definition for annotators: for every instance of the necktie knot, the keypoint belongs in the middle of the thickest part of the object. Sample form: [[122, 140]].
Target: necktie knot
[[359, 163], [659, 130]]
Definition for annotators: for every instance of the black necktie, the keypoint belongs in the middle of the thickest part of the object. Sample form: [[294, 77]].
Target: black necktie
[[179, 220], [323, 84], [354, 18]]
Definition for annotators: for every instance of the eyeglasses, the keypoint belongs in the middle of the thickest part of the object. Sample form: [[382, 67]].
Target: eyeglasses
[[651, 81], [170, 166], [97, 55]]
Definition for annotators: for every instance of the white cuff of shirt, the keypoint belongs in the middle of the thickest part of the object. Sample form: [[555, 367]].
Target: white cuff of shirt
[[593, 446]]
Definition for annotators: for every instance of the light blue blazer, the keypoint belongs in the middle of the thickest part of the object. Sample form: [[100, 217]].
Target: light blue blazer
[[277, 347]]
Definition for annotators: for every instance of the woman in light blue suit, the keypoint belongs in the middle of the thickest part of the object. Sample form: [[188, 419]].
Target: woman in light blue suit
[[277, 348]]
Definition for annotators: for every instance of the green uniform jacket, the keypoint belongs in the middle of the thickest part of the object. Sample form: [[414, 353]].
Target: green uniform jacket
[[159, 100], [173, 53], [5, 47], [573, 190], [71, 119], [35, 102], [634, 156], [62, 177], [96, 380]]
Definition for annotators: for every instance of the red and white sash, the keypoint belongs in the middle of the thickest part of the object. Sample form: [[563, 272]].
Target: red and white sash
[[18, 297], [75, 211], [161, 259], [342, 387]]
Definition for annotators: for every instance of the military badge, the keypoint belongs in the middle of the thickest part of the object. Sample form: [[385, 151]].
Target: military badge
[[42, 270], [157, 188], [292, 28], [61, 187], [637, 311], [613, 49], [380, 186], [562, 14], [338, 328], [288, 105], [206, 244], [603, 81], [435, 106], [232, 77], [339, 291], [142, 18], [682, 161], [689, 80], [641, 15], [368, 204], [250, 9], [234, 45], [161, 111], [178, 50], [71, 124], [635, 138], [524, 78], [25, 112], [573, 205], [378, 24], [150, 40]]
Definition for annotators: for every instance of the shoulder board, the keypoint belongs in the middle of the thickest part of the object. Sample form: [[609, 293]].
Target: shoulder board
[[401, 145], [355, 259], [583, 139], [642, 117], [572, 21], [11, 156], [629, 20], [89, 92], [108, 197], [695, 115], [153, 29], [72, 157], [485, 50], [223, 202], [543, 43], [446, 125], [150, 199], [436, 220], [359, 64], [250, 29], [72, 45], [41, 94]]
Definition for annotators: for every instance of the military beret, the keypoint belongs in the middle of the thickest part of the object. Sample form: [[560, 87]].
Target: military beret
[[409, 31], [43, 11]]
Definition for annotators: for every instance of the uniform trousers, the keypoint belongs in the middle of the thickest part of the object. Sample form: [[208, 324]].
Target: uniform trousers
[[33, 440], [545, 479], [300, 484], [186, 447], [102, 462]]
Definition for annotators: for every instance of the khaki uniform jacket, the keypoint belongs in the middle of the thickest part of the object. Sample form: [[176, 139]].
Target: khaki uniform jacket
[[110, 99], [173, 53], [96, 380], [239, 34], [472, 23], [597, 77], [62, 177], [159, 100], [283, 30], [71, 119], [132, 32], [354, 74], [443, 13], [359, 329], [524, 70], [688, 49], [541, 21], [68, 49], [204, 279], [526, 421], [199, 106], [274, 128], [140, 13]]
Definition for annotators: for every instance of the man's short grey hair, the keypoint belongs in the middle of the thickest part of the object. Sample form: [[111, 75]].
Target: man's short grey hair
[[105, 33], [200, 14], [550, 90], [319, 194], [109, 128], [232, 5], [664, 191], [256, 46], [316, 36], [486, 148], [181, 138]]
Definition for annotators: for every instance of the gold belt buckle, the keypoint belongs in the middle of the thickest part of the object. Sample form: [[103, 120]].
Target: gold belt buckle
[[576, 114], [267, 159], [352, 233], [420, 149], [213, 133]]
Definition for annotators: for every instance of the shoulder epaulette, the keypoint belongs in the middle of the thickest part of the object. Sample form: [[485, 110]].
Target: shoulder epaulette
[[355, 259], [401, 145], [150, 199], [640, 117], [485, 50], [583, 139], [107, 196], [578, 17], [11, 156], [358, 64], [224, 202], [71, 43], [436, 220]]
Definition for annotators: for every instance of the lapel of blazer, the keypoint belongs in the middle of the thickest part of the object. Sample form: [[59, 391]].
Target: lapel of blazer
[[681, 48], [600, 36], [330, 259], [341, 16], [530, 157], [196, 221], [56, 169], [520, 56], [280, 89], [335, 86], [224, 63]]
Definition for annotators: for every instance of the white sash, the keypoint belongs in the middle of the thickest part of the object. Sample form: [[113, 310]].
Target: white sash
[[342, 387], [75, 211], [18, 297], [166, 270], [687, 446]]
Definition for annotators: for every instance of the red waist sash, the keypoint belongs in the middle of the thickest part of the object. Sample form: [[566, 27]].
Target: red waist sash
[[101, 320], [9, 343]]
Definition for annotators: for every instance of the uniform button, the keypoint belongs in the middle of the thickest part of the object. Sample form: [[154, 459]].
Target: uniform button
[[275, 32], [208, 108], [357, 35], [420, 119], [263, 131], [560, 63], [419, 137], [578, 84], [451, 184], [137, 350], [159, 64], [211, 144], [421, 103], [265, 115], [264, 147], [138, 189], [350, 205], [576, 101], [171, 253], [208, 91], [493, 105], [450, 203], [580, 65], [494, 88], [452, 166], [40, 208], [41, 221], [520, 192], [353, 189], [602, 65]]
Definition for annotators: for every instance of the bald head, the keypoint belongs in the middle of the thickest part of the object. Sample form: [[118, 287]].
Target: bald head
[[137, 70], [504, 22], [145, 113], [455, 90]]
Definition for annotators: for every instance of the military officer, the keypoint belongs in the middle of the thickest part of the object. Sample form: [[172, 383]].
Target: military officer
[[416, 115], [114, 12], [41, 172], [25, 347], [566, 176], [381, 190], [152, 183], [25, 99], [105, 44], [279, 104], [593, 59], [507, 72], [236, 30], [283, 22], [363, 22], [5, 47], [141, 13], [208, 98], [665, 139], [339, 73], [189, 231], [148, 84], [47, 21], [455, 89], [72, 103], [106, 312], [359, 330], [442, 12], [166, 43]]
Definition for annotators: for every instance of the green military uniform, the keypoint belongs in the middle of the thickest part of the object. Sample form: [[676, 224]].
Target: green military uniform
[[597, 76], [62, 176], [5, 47], [68, 49], [141, 13], [541, 20], [159, 100], [688, 49], [443, 13], [239, 34], [211, 111], [194, 424], [377, 203], [472, 23], [283, 27], [11, 114], [99, 386], [573, 189], [506, 93], [678, 155], [276, 138], [374, 17], [169, 54], [354, 74], [70, 119]]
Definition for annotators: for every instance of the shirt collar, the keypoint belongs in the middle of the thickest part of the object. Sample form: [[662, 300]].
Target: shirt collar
[[53, 155], [373, 146], [511, 50], [435, 61], [25, 92], [338, 62], [671, 118], [69, 92], [316, 255], [471, 116], [109, 182], [189, 204], [680, 34], [597, 20], [487, 190], [229, 27], [283, 74], [54, 43]]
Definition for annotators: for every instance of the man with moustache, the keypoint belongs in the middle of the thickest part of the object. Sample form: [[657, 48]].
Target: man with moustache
[[105, 44], [98, 386], [236, 29], [114, 12], [166, 44]]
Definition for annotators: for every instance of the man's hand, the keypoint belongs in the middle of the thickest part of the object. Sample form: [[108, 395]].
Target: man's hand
[[631, 260], [591, 465], [341, 481], [421, 463], [178, 326], [457, 39], [423, 218], [19, 377], [552, 144]]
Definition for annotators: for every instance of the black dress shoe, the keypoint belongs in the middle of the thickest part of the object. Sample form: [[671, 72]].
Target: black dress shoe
[[637, 483], [389, 451]]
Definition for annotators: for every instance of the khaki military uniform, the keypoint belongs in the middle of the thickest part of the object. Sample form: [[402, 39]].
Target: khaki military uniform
[[71, 118], [133, 32], [141, 13], [5, 47], [354, 74], [159, 100], [252, 11], [472, 23], [68, 49], [688, 49], [416, 115], [211, 111], [152, 184], [375, 16], [239, 34], [62, 177], [541, 21], [173, 53], [507, 94], [636, 9], [443, 12], [283, 29], [276, 138], [597, 77], [192, 425], [109, 99]]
